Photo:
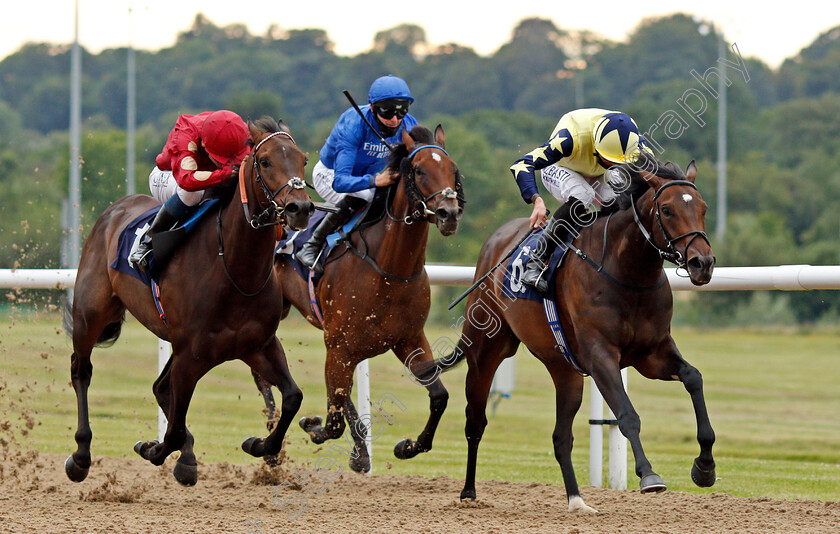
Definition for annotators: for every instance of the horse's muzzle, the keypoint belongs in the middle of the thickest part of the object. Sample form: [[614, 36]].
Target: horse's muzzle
[[447, 219], [298, 213], [700, 269]]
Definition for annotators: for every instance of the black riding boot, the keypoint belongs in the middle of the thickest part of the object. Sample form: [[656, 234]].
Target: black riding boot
[[555, 230], [163, 221], [347, 207]]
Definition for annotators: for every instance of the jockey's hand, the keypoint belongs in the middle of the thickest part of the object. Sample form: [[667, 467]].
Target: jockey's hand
[[538, 216], [386, 177]]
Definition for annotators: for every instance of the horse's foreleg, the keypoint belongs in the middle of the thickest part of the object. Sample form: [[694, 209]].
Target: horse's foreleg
[[607, 376], [667, 364], [338, 371], [411, 353], [359, 457], [568, 386], [183, 376], [186, 469], [272, 366], [703, 470]]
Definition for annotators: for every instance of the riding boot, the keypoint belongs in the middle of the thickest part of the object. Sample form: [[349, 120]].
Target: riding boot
[[554, 231], [311, 251], [164, 220]]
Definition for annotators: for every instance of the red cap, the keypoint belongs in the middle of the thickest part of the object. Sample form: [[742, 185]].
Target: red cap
[[225, 137]]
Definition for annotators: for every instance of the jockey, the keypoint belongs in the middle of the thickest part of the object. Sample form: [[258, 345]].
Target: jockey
[[200, 152], [353, 158], [584, 144]]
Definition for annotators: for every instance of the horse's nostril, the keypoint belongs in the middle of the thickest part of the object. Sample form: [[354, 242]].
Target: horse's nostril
[[310, 208], [292, 207], [442, 214]]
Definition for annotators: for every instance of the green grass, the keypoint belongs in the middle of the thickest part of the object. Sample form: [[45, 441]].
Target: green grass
[[773, 398]]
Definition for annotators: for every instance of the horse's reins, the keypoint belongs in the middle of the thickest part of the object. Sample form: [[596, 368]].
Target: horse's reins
[[270, 216]]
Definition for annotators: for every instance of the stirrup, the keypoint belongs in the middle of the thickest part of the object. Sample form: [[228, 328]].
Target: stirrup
[[141, 263], [540, 283]]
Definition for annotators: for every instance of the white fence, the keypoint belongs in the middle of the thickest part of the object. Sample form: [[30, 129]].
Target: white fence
[[781, 277]]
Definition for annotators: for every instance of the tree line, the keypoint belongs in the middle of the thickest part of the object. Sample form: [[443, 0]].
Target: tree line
[[783, 192]]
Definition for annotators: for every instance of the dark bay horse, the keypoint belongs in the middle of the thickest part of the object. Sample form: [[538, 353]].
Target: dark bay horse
[[613, 317], [369, 308], [219, 293]]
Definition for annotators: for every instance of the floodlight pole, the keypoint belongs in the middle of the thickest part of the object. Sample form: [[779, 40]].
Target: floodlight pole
[[75, 181], [130, 113], [720, 226]]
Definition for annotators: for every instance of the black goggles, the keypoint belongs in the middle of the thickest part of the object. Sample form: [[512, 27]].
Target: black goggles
[[389, 112]]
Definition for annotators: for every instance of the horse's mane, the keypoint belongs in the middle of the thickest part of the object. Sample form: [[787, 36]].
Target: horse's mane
[[421, 135], [225, 191], [638, 185]]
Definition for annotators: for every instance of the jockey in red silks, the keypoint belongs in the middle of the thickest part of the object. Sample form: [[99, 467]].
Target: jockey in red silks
[[200, 152]]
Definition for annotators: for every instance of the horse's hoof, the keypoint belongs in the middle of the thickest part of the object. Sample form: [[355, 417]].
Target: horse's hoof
[[652, 484], [576, 505], [307, 423], [406, 449], [468, 495], [253, 446], [186, 475], [702, 477], [360, 463], [74, 472], [143, 447]]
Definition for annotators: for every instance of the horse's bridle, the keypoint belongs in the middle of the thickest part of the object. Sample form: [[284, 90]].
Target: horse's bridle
[[670, 253], [420, 211], [273, 214]]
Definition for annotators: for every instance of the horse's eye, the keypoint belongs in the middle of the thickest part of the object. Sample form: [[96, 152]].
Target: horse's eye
[[265, 162], [666, 211]]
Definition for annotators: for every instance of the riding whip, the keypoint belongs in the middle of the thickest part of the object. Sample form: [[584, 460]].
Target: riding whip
[[362, 115]]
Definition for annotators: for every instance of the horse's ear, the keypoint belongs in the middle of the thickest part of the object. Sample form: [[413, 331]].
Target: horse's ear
[[655, 182], [253, 129], [691, 172], [407, 140], [440, 138]]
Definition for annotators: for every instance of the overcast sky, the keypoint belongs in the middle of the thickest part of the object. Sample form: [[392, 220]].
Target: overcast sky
[[760, 29]]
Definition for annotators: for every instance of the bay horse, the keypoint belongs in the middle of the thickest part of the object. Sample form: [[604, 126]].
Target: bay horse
[[375, 293], [614, 314], [219, 293]]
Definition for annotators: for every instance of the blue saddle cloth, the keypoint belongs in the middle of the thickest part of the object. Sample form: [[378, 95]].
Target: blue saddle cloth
[[515, 268], [135, 231]]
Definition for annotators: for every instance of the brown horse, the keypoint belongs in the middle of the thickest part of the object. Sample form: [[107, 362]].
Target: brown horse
[[219, 293], [614, 315], [379, 303]]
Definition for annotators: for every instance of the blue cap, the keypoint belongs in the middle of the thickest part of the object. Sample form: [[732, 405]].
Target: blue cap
[[388, 87]]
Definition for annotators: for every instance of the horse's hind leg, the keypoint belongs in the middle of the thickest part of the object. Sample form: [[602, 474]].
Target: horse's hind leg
[[338, 371], [271, 365], [270, 412], [359, 457], [607, 376], [411, 353], [89, 322], [484, 357], [568, 385], [186, 469], [668, 364]]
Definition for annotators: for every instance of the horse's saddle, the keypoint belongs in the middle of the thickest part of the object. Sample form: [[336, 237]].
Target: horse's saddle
[[515, 268], [164, 244], [293, 242]]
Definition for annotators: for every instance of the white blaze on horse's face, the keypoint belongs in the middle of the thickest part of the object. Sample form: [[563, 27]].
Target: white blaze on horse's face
[[436, 156], [687, 198]]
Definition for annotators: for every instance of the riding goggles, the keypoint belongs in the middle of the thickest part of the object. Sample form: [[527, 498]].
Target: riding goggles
[[387, 110]]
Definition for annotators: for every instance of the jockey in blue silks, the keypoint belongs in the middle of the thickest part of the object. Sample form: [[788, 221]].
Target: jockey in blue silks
[[353, 158]]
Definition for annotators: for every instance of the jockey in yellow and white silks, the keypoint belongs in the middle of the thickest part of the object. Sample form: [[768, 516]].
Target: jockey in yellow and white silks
[[574, 162]]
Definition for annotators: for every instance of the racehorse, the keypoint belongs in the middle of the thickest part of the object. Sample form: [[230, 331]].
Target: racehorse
[[218, 292], [614, 314], [375, 292]]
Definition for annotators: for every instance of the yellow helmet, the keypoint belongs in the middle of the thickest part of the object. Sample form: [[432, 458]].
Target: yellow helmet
[[617, 138]]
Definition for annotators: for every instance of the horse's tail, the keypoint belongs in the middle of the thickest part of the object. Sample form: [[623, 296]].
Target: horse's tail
[[108, 336], [427, 372]]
